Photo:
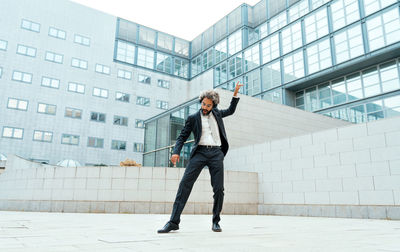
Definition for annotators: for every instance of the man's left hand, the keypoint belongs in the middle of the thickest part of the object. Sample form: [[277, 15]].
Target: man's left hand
[[238, 86]]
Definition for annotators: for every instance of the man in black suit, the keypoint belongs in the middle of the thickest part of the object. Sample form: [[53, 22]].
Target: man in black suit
[[210, 148]]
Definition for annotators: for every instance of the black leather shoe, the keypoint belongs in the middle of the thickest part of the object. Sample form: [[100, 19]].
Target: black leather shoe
[[168, 227], [216, 227]]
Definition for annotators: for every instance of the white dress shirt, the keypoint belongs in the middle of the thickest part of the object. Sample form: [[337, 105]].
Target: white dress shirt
[[209, 135]]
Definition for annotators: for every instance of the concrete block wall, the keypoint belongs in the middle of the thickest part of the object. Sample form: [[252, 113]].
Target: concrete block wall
[[30, 186], [351, 171]]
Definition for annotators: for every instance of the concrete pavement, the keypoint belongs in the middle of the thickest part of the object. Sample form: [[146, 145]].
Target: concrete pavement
[[41, 231]]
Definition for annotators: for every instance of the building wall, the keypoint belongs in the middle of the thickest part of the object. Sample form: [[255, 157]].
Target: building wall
[[350, 171], [257, 121], [30, 186], [100, 28]]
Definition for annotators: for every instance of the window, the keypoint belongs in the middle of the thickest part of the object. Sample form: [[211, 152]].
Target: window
[[50, 82], [118, 145], [79, 39], [44, 108], [144, 101], [319, 56], [145, 58], [42, 136], [220, 74], [264, 30], [316, 25], [207, 59], [252, 83], [98, 117], [22, 77], [338, 91], [79, 63], [270, 48], [196, 66], [348, 44], [372, 6], [144, 79], [11, 132], [54, 57], [220, 51], [316, 3], [164, 63], [57, 33], [102, 69], [17, 104], [138, 147], [291, 37], [121, 97], [147, 36], [181, 47], [126, 52], [163, 83], [70, 139], [275, 96], [251, 58], [300, 100], [324, 95], [354, 87], [392, 106], [99, 92], [370, 79], [76, 87], [271, 75], [311, 99], [277, 22], [235, 66], [181, 67], [235, 42], [139, 124], [26, 50], [383, 29], [298, 10], [30, 25], [120, 120], [164, 42], [3, 45], [127, 75], [389, 76], [73, 113], [162, 104], [95, 142], [344, 12], [293, 66]]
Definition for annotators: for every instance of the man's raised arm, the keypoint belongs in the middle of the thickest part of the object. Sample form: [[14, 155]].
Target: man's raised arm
[[232, 107]]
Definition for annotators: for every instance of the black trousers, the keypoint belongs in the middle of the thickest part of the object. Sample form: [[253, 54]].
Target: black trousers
[[214, 159]]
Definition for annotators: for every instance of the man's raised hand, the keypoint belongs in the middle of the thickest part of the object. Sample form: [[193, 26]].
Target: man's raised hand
[[238, 86]]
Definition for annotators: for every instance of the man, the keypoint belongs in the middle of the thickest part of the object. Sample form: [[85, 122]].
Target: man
[[210, 148]]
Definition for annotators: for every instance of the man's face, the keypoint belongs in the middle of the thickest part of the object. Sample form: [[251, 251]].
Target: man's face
[[206, 106]]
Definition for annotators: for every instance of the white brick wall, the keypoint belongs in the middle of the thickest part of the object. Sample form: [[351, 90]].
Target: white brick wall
[[351, 165], [154, 186]]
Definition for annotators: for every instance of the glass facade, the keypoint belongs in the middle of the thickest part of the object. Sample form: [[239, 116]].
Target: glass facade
[[338, 58]]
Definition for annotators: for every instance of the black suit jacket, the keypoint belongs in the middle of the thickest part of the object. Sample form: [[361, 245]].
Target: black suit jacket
[[193, 123]]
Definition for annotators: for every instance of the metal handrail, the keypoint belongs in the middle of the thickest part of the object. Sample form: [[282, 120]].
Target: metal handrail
[[166, 147]]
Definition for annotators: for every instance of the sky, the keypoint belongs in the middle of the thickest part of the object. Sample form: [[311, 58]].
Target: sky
[[182, 18]]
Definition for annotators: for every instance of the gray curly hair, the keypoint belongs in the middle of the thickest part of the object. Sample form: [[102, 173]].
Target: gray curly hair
[[210, 94]]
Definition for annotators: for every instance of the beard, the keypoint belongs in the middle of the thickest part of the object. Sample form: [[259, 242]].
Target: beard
[[205, 111]]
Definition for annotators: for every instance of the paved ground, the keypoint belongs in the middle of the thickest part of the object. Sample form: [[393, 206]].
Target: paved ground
[[29, 231]]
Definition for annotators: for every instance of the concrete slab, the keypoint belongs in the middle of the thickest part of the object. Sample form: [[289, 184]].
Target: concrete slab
[[41, 231]]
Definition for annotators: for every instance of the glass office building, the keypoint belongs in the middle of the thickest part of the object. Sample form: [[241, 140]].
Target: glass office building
[[338, 58], [77, 89]]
